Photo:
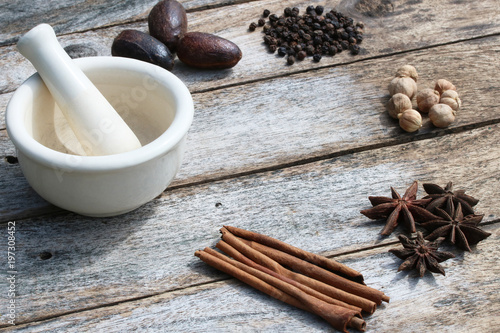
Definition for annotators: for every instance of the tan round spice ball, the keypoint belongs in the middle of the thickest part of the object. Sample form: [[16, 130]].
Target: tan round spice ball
[[443, 85], [407, 70], [397, 104], [410, 120], [441, 115], [427, 98], [404, 85], [450, 98]]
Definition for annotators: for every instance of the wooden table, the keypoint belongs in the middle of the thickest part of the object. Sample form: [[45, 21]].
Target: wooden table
[[289, 151]]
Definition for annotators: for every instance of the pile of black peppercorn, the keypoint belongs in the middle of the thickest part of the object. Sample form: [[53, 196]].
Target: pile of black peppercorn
[[312, 34]]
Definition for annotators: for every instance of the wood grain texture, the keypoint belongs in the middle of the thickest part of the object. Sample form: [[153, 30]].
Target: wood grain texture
[[268, 123], [288, 151], [67, 16], [4, 100], [461, 301], [315, 207], [395, 32]]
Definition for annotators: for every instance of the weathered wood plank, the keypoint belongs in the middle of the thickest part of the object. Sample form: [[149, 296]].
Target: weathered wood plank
[[4, 100], [316, 207], [465, 300], [16, 18], [411, 25], [268, 123]]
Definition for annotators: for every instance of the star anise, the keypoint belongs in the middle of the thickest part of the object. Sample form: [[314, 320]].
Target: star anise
[[398, 208], [421, 255], [461, 230], [439, 196]]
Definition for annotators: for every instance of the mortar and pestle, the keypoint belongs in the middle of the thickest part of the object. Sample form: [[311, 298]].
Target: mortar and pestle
[[99, 136]]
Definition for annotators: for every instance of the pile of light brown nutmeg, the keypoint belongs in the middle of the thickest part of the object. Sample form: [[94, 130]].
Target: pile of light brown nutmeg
[[440, 103]]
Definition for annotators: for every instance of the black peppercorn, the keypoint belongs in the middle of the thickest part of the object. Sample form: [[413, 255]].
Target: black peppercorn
[[319, 19], [266, 13], [301, 55], [261, 22], [317, 57], [319, 10], [329, 27], [288, 11], [282, 51], [318, 33], [273, 18], [354, 49], [290, 60], [272, 48], [252, 26], [310, 49], [310, 10]]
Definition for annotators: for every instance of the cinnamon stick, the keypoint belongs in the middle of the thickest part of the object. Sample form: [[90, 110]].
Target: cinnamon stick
[[232, 252], [313, 258], [249, 279], [338, 317], [341, 295], [319, 273]]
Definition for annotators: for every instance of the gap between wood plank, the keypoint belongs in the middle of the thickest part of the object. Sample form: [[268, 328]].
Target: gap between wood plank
[[381, 56], [241, 83], [57, 211], [340, 153]]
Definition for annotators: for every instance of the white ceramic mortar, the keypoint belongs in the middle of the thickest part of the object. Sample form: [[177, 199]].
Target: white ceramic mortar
[[154, 103]]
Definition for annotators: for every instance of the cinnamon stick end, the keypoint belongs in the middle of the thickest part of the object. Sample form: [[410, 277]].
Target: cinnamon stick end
[[357, 323], [386, 298], [223, 231]]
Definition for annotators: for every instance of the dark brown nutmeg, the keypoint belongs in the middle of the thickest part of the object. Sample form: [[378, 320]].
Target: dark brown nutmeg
[[141, 46], [203, 50], [168, 23]]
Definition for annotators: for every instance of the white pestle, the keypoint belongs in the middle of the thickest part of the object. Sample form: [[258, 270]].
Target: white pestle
[[96, 124]]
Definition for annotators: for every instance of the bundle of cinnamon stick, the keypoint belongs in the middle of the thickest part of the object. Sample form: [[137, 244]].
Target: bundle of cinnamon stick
[[306, 280]]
